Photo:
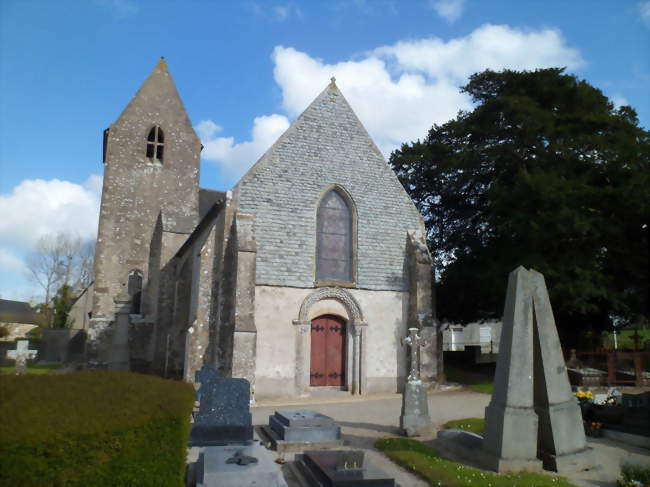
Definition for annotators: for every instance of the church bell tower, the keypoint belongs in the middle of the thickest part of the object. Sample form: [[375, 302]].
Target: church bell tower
[[151, 175]]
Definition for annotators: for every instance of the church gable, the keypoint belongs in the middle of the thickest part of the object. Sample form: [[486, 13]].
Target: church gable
[[327, 147]]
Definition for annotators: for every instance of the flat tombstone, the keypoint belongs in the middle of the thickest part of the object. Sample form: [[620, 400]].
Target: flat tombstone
[[224, 410], [349, 465], [304, 426], [333, 469]]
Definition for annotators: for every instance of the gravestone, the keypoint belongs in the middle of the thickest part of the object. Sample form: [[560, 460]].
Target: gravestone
[[304, 425], [243, 465], [533, 413], [414, 420], [340, 468], [298, 430], [21, 355], [224, 410]]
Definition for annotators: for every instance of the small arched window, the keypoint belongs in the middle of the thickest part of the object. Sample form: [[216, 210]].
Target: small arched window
[[134, 289], [334, 242], [155, 144]]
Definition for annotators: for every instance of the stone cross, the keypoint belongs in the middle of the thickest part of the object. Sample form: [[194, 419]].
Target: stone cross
[[21, 355], [415, 341]]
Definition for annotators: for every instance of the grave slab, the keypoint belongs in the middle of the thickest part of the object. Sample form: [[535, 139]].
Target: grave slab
[[233, 466], [304, 425], [300, 430], [224, 410], [340, 468]]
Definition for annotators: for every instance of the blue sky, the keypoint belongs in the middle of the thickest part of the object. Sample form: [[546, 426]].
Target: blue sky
[[246, 69]]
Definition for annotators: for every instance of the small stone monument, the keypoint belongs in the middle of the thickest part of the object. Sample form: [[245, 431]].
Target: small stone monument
[[119, 350], [533, 413], [415, 419], [21, 355]]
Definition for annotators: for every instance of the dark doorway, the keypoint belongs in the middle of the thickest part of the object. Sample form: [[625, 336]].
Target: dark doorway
[[327, 351]]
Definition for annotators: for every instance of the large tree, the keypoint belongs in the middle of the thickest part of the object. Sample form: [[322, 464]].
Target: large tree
[[545, 172]]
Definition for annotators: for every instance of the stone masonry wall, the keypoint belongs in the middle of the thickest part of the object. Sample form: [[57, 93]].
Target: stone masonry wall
[[137, 189], [327, 146]]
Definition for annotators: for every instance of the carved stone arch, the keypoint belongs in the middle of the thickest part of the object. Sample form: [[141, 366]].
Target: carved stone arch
[[341, 295], [356, 353]]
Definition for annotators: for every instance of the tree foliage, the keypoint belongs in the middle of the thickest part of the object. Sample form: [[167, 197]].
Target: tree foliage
[[545, 172], [63, 302]]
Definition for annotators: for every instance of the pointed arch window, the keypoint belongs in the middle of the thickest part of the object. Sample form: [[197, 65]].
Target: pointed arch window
[[334, 239], [155, 144], [134, 288]]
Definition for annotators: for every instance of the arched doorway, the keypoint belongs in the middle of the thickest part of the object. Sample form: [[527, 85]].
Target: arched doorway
[[328, 351]]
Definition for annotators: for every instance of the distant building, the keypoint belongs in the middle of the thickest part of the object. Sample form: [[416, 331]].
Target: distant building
[[18, 317], [481, 336]]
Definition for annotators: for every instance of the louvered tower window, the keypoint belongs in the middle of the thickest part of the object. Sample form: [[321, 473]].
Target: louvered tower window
[[155, 144], [334, 246]]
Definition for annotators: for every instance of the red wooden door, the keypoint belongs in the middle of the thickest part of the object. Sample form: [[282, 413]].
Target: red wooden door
[[327, 351]]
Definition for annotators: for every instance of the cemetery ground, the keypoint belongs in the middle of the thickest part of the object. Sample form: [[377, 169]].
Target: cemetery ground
[[366, 422]]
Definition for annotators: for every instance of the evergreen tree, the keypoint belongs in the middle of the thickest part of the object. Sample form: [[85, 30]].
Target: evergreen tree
[[545, 172]]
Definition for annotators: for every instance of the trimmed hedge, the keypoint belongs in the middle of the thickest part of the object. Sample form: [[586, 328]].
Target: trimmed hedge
[[93, 429]]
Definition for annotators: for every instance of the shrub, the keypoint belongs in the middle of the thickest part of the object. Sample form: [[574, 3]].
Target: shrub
[[93, 429], [632, 473]]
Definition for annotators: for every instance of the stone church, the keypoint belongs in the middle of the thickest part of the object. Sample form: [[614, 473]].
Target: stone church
[[304, 277]]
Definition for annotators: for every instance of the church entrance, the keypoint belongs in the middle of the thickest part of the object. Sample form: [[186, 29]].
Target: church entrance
[[327, 351]]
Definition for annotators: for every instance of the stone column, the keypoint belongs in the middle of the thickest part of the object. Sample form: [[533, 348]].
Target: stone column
[[303, 349], [119, 354], [357, 357]]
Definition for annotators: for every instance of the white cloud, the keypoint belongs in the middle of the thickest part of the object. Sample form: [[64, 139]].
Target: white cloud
[[279, 12], [37, 207], [398, 91], [10, 262], [644, 12], [235, 158], [393, 110], [121, 8], [450, 10], [619, 100], [490, 46]]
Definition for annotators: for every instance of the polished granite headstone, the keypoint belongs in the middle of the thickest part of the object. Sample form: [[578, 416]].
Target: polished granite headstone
[[224, 410], [304, 425], [342, 468]]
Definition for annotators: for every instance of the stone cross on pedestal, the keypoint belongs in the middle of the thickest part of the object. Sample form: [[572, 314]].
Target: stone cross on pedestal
[[21, 355], [415, 420], [414, 341]]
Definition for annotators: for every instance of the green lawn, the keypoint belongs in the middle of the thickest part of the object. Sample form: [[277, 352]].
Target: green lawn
[[426, 463], [473, 425], [478, 379], [31, 369]]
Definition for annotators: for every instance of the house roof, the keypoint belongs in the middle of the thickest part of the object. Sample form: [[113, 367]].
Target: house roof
[[17, 312]]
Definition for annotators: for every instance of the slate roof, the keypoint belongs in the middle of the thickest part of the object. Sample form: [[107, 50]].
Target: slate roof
[[17, 312]]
